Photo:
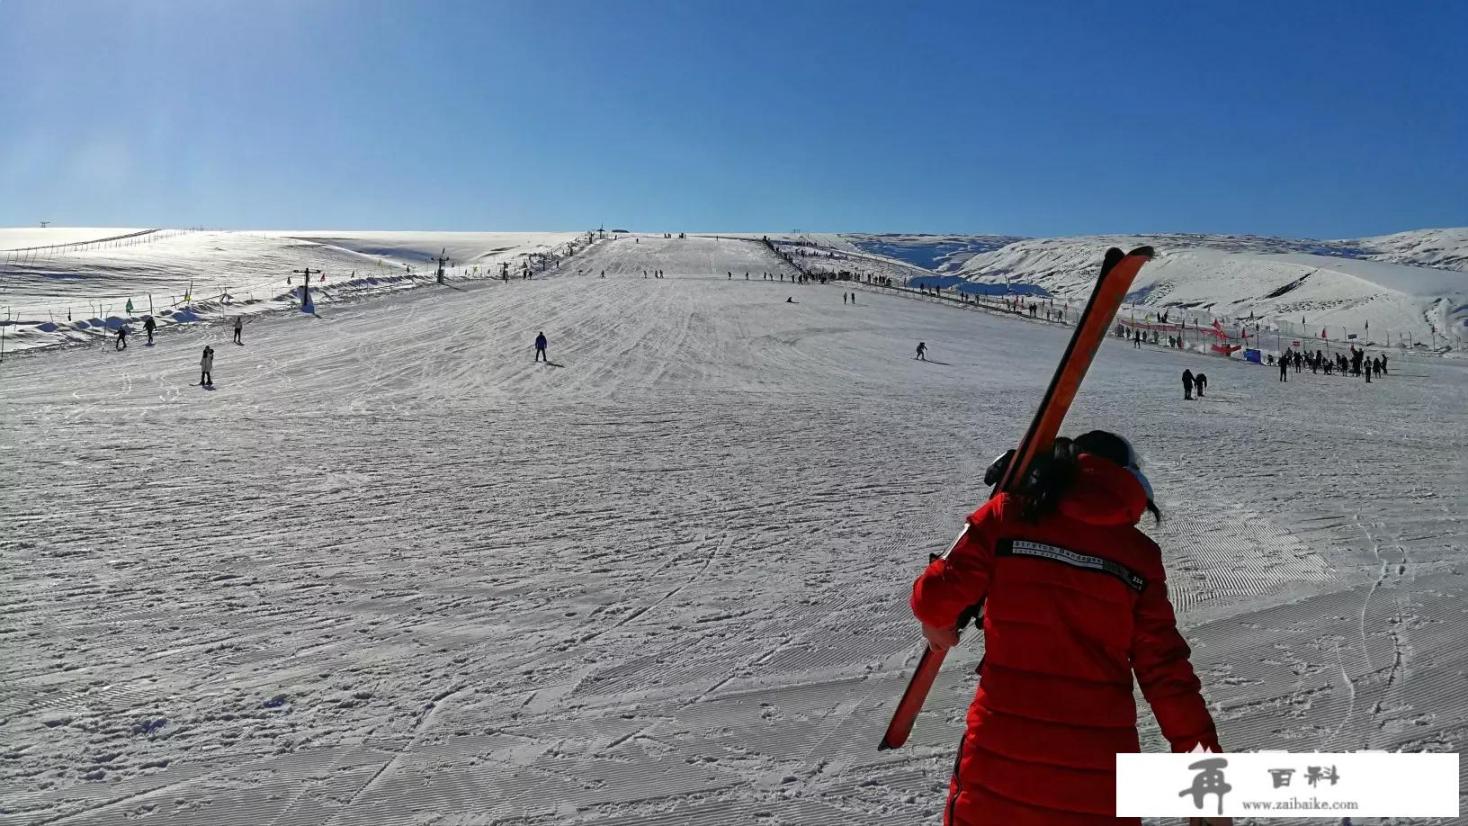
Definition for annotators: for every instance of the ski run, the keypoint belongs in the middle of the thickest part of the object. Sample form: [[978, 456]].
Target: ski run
[[392, 568]]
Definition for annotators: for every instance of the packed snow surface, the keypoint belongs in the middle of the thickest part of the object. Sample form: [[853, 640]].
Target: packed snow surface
[[389, 570]]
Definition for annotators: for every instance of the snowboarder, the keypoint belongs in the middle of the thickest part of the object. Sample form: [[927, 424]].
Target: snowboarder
[[122, 337], [239, 330], [1071, 526], [922, 350], [148, 326], [206, 367], [1200, 381], [1187, 385], [540, 348]]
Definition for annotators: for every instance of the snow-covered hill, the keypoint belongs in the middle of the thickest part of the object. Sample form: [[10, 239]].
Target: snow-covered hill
[[81, 281], [1285, 283], [1442, 248], [939, 253], [61, 284]]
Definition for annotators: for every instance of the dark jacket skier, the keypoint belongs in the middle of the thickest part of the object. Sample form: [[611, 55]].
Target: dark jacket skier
[[148, 326], [1075, 606], [1200, 381], [922, 350], [122, 337], [1187, 385], [540, 343]]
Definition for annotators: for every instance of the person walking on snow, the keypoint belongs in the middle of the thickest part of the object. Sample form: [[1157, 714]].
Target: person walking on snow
[[206, 367], [239, 330], [1200, 381], [148, 326], [922, 350], [540, 343], [1187, 385], [1075, 605], [1284, 366], [122, 337]]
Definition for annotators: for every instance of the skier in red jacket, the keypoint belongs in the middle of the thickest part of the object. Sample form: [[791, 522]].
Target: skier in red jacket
[[1075, 604]]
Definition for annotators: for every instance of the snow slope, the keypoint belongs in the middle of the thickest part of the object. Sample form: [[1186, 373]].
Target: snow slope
[[391, 571], [1240, 277], [1441, 248], [75, 293], [30, 238]]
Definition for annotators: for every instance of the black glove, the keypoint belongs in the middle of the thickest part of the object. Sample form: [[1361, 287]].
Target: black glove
[[997, 468]]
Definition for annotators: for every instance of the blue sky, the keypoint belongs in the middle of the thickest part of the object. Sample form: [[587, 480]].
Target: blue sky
[[1329, 119]]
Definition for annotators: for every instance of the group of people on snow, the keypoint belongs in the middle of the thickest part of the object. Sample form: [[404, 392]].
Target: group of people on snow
[[1356, 364], [206, 360]]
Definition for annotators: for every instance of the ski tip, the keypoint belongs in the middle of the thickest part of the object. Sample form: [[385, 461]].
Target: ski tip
[[883, 746], [1142, 252], [1113, 257]]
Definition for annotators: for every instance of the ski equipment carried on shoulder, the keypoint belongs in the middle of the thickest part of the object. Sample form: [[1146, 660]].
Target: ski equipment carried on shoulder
[[1117, 273]]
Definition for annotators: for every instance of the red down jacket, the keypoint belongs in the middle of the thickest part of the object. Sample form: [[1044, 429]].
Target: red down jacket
[[1077, 603]]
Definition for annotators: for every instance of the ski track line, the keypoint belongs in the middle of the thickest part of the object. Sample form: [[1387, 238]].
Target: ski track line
[[424, 723]]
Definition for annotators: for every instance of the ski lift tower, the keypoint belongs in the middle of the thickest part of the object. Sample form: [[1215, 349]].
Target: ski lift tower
[[306, 285], [442, 259]]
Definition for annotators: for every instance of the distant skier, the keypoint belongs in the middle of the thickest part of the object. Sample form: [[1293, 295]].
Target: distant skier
[[1200, 381], [790, 299], [1055, 703], [1382, 368], [922, 351], [853, 298], [540, 343], [843, 297], [239, 330], [206, 367], [1187, 385], [122, 337], [149, 325], [1284, 366]]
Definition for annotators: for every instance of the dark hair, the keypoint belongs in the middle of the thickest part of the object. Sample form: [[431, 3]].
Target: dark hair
[[1051, 474]]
